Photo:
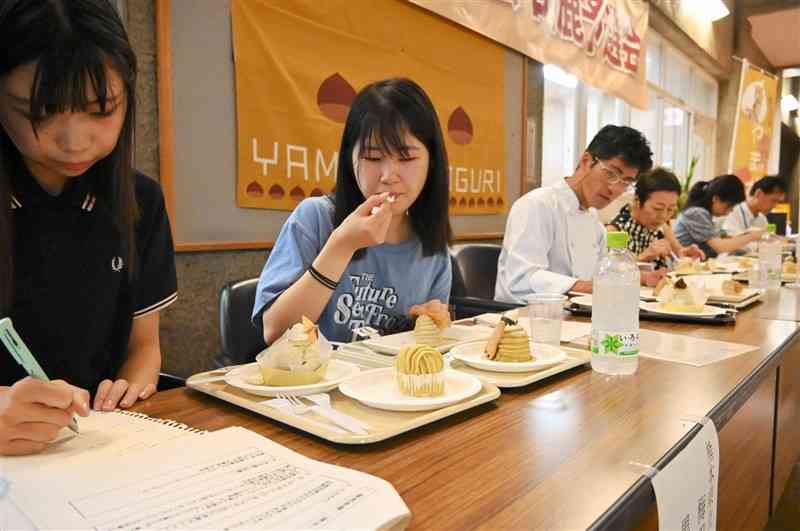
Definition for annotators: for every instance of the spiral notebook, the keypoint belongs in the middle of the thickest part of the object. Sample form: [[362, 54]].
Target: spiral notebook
[[130, 471], [112, 433]]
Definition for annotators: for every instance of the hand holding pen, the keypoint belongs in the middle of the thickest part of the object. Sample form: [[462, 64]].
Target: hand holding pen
[[34, 409], [33, 412]]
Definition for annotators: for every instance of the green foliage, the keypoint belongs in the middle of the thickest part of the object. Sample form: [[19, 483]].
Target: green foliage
[[687, 184]]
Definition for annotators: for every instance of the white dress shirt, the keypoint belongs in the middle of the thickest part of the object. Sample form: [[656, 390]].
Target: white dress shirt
[[549, 244], [742, 218]]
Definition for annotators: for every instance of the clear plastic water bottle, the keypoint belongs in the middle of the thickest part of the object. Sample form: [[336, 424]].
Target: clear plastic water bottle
[[770, 248], [615, 309]]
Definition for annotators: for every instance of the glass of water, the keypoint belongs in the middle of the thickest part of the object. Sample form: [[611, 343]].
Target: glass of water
[[546, 311]]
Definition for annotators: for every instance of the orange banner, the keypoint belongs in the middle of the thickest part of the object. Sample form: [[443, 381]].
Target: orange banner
[[599, 41], [755, 113], [299, 65]]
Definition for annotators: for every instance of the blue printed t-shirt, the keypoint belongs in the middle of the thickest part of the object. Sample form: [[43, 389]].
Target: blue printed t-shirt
[[376, 290]]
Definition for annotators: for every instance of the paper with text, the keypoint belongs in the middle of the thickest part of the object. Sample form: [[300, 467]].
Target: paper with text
[[686, 489], [232, 479]]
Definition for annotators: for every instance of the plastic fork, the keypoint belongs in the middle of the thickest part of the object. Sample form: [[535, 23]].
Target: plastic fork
[[298, 408], [323, 400]]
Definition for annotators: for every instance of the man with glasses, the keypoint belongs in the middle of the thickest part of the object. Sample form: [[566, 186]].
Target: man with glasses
[[554, 237]]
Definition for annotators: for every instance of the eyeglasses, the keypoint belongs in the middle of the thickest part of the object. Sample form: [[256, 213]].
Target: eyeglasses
[[614, 176]]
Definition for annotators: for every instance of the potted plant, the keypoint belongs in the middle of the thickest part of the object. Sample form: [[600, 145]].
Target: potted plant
[[687, 184]]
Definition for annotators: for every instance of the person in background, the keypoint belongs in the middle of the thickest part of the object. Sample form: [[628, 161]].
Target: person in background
[[380, 245], [86, 255], [709, 199], [553, 237], [647, 220], [751, 213]]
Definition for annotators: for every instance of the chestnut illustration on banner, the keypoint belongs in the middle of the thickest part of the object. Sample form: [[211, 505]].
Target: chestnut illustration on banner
[[297, 194], [453, 201], [481, 202], [316, 192], [254, 190], [490, 202], [459, 127], [462, 202], [276, 192], [334, 97]]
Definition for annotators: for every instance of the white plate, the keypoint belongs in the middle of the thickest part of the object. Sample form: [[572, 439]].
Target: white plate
[[708, 311], [377, 388], [453, 335], [646, 294], [583, 300], [545, 356], [337, 372]]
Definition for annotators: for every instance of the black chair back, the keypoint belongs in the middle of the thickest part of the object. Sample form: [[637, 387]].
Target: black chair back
[[474, 276], [457, 287], [239, 338], [477, 265]]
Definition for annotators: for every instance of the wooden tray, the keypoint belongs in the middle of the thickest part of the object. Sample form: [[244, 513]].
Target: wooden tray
[[385, 424], [575, 358]]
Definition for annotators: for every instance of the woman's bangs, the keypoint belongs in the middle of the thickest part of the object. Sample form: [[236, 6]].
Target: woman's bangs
[[62, 78], [385, 132]]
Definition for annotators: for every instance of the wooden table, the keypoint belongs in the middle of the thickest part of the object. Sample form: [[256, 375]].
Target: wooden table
[[556, 455], [783, 305]]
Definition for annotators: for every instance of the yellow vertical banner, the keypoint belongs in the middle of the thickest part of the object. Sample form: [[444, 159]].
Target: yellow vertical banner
[[299, 65], [755, 112]]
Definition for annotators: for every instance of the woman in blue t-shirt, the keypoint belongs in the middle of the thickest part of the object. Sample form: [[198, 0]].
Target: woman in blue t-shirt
[[379, 246], [709, 199]]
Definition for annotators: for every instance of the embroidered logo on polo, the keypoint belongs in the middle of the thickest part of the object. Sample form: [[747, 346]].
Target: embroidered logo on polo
[[88, 203], [117, 264], [367, 304]]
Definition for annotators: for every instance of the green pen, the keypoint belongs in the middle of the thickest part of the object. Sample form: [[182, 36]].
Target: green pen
[[16, 346]]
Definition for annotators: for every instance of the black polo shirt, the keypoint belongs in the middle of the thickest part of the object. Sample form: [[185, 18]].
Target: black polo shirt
[[74, 302]]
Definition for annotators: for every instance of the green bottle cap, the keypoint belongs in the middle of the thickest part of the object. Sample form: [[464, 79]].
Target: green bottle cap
[[771, 228], [617, 239]]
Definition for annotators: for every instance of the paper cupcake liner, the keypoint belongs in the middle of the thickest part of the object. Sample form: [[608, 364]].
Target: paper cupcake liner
[[420, 385], [284, 378]]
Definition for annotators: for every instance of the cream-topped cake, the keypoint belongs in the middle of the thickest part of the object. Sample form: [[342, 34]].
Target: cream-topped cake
[[509, 342], [295, 359], [683, 297], [420, 371], [432, 318]]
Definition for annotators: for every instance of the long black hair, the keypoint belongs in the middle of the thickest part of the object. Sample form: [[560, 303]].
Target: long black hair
[[72, 43], [384, 111], [727, 188]]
